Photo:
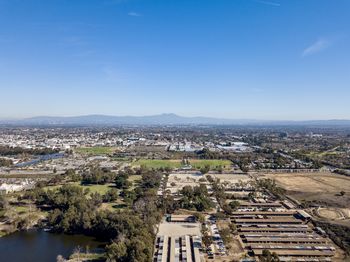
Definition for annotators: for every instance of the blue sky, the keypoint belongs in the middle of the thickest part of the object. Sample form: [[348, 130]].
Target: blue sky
[[260, 59]]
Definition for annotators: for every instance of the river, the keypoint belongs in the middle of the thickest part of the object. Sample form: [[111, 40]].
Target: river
[[38, 245], [39, 159]]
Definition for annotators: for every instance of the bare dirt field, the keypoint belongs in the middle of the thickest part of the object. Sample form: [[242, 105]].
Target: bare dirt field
[[330, 213], [313, 182], [324, 188], [340, 216], [179, 229], [231, 178], [321, 188], [177, 181]]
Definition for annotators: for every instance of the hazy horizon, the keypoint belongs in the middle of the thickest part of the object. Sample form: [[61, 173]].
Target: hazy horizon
[[243, 59], [173, 114]]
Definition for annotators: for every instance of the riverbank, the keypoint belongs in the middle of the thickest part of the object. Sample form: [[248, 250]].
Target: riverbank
[[23, 216]]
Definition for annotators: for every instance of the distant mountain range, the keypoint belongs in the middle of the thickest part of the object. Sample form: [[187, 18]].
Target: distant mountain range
[[162, 119]]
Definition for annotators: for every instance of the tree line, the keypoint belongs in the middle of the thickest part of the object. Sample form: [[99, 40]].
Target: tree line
[[129, 231]]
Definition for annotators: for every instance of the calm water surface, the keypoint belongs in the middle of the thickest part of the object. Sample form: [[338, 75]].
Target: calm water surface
[[42, 246], [39, 159]]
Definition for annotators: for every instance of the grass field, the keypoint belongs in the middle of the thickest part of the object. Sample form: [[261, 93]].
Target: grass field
[[213, 163], [322, 154], [97, 150], [154, 163], [101, 189], [176, 163]]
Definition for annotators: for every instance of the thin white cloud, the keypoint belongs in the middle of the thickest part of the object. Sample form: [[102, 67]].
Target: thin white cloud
[[268, 3], [316, 47], [134, 14]]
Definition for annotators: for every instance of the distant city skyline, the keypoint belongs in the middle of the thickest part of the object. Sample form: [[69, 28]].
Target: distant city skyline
[[242, 59]]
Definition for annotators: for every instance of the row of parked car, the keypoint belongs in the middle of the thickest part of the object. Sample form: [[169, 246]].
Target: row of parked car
[[218, 243]]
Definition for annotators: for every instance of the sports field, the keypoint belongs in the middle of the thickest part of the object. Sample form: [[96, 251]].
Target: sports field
[[213, 163], [97, 150], [155, 163], [177, 163]]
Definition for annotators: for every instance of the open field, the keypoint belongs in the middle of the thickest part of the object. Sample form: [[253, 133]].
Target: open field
[[177, 181], [177, 163], [333, 213], [179, 229], [324, 188], [213, 163], [134, 178], [231, 178], [97, 150], [101, 189], [155, 163]]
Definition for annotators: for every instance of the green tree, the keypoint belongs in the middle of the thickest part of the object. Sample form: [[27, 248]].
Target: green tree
[[116, 251], [111, 195], [234, 204], [205, 169], [122, 182], [3, 202]]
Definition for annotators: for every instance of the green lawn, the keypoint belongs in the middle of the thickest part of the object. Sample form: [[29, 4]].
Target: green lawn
[[176, 163], [213, 163], [155, 163], [97, 150], [21, 209], [134, 178], [112, 206], [101, 189], [323, 154]]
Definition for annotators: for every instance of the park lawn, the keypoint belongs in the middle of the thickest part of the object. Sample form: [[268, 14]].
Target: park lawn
[[21, 209], [54, 188], [322, 154], [213, 163], [96, 150], [112, 206], [120, 159], [176, 163], [24, 211], [135, 180], [158, 163], [101, 189]]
